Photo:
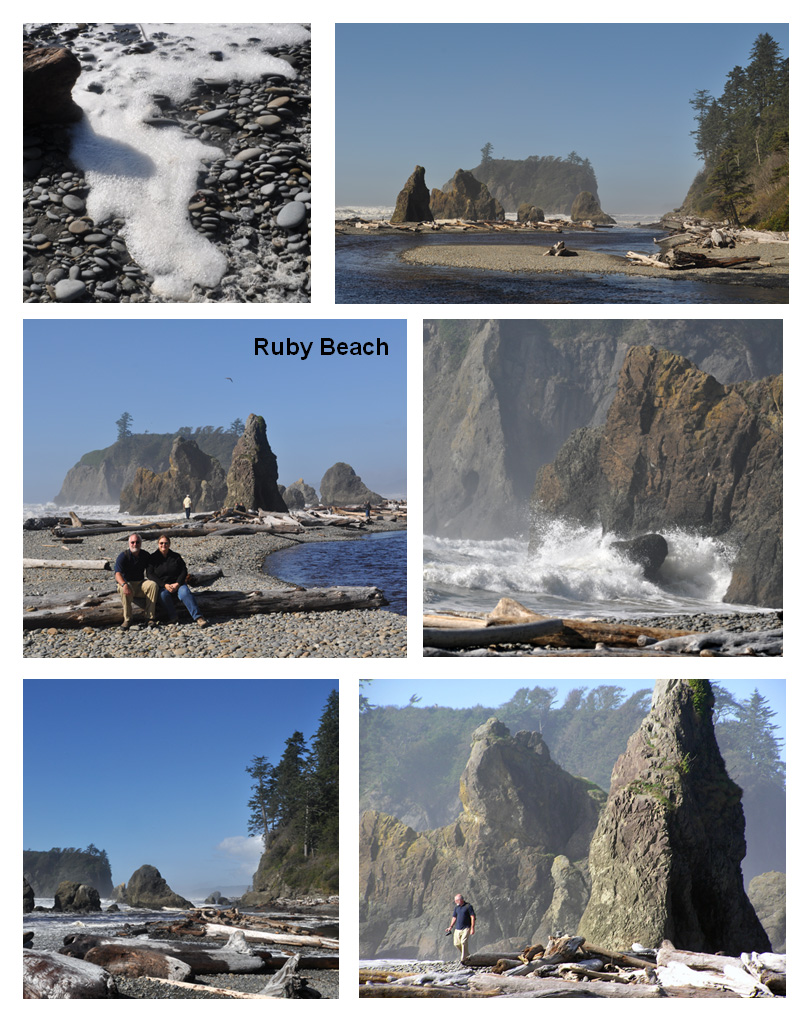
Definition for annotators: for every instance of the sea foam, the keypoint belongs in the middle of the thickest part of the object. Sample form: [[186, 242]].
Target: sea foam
[[146, 176]]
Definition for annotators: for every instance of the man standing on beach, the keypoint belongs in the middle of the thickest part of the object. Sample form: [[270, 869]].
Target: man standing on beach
[[130, 575], [186, 504], [463, 920]]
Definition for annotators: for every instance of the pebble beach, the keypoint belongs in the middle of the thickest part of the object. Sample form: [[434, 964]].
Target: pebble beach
[[355, 633], [251, 199]]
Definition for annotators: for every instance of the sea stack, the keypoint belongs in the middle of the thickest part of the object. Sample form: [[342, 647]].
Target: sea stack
[[465, 198], [665, 860], [587, 208], [253, 477], [190, 472], [412, 204], [342, 486], [148, 889]]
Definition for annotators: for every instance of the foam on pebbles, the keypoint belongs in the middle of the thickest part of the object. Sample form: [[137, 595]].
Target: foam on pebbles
[[360, 633], [159, 194]]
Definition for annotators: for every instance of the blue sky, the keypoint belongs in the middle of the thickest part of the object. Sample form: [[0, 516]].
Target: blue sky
[[80, 376], [153, 771], [495, 692], [617, 94]]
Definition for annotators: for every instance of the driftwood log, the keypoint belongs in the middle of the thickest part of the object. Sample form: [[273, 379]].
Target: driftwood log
[[476, 637], [73, 563], [48, 976], [106, 610], [217, 930]]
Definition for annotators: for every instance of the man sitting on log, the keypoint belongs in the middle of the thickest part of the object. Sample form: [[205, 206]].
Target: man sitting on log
[[130, 569], [168, 572]]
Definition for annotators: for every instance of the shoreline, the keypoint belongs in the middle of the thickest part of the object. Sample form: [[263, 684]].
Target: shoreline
[[532, 259], [241, 558]]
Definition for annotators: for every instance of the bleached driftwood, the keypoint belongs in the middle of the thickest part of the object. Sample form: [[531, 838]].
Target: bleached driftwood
[[758, 643], [217, 930], [523, 633], [51, 976], [106, 610], [71, 563], [552, 987]]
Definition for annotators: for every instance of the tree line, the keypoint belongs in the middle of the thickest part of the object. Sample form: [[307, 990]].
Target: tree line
[[236, 427], [298, 796], [739, 130]]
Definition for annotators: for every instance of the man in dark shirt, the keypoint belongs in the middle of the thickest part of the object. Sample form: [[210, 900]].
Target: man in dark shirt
[[130, 574], [462, 923], [167, 569]]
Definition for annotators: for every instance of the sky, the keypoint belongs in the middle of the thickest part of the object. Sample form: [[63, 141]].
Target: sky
[[153, 771], [617, 94], [495, 692], [80, 376]]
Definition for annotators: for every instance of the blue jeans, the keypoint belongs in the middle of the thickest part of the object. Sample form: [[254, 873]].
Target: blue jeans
[[187, 598]]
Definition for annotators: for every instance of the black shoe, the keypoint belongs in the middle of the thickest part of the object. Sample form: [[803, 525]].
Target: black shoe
[[126, 625]]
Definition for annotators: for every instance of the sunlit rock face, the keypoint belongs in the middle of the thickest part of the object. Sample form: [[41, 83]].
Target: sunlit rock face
[[252, 480], [680, 450], [665, 861], [509, 853]]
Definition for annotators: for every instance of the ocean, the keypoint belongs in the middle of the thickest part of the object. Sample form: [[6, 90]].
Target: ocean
[[368, 271], [377, 560], [577, 574]]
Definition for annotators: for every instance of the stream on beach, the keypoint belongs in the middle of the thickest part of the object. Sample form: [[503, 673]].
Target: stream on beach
[[377, 560], [368, 270]]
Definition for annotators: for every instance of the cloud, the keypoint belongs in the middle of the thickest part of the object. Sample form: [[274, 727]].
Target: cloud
[[246, 851]]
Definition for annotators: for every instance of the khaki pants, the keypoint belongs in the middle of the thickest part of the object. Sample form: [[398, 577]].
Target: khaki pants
[[139, 588], [461, 942]]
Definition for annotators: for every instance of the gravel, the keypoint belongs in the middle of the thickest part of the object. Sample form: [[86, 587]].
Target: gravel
[[357, 633], [267, 247]]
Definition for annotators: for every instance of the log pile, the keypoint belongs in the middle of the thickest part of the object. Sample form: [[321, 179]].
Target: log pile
[[87, 964], [510, 623], [572, 967]]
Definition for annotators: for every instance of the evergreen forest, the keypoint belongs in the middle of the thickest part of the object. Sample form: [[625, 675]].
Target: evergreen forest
[[411, 758], [741, 137], [294, 809]]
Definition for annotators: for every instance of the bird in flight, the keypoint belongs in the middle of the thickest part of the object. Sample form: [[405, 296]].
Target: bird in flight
[[227, 378]]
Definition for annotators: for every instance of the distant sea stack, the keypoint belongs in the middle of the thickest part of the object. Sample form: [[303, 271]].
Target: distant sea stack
[[665, 860], [148, 889], [548, 182], [511, 853], [46, 870], [679, 450], [342, 486], [253, 477], [465, 198], [412, 204], [190, 472], [586, 208]]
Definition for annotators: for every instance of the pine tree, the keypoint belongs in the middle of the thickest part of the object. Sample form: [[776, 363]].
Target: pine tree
[[123, 422], [262, 803], [324, 798]]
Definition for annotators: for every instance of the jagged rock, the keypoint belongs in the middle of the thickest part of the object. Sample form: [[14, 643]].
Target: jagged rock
[[412, 204], [520, 811], [341, 486], [306, 490], [48, 76], [27, 896], [292, 497], [119, 894], [527, 213], [679, 450], [73, 897], [253, 477], [148, 889], [466, 198], [190, 472], [648, 551], [767, 892], [502, 396], [100, 476], [587, 207], [570, 895], [665, 861]]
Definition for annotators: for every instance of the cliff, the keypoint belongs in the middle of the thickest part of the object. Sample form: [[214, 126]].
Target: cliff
[[46, 870], [549, 182], [511, 853], [285, 872], [190, 472], [680, 450], [501, 397], [99, 476], [665, 861]]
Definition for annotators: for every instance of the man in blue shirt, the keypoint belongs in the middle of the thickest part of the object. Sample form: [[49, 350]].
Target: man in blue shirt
[[463, 919]]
